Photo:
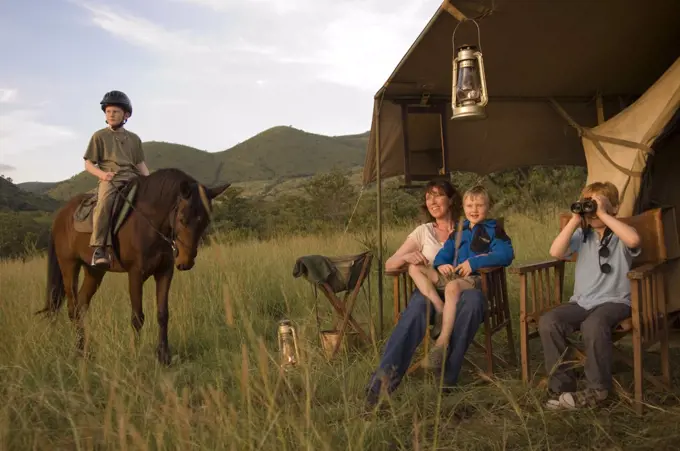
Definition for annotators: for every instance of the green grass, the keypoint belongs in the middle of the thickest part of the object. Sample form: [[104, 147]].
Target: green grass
[[224, 391]]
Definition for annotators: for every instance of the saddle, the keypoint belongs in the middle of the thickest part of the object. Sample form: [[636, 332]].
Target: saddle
[[83, 214]]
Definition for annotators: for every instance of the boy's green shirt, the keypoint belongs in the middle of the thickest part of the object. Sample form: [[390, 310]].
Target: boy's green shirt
[[115, 151]]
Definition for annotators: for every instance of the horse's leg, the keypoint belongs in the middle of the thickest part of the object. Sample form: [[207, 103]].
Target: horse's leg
[[93, 278], [163, 279], [69, 270], [136, 285]]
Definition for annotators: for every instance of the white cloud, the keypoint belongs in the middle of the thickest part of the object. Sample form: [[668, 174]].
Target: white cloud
[[19, 124], [361, 48], [280, 7], [353, 43], [142, 32], [31, 146], [7, 95]]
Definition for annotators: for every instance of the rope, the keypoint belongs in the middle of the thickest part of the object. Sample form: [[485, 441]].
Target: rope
[[361, 192], [586, 133]]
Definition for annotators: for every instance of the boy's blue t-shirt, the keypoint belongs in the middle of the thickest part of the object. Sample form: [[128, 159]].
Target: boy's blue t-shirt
[[486, 237], [592, 287]]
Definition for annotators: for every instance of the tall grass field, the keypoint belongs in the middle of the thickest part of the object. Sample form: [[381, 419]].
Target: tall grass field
[[224, 390]]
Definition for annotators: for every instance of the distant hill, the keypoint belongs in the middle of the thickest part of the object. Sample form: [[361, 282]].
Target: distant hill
[[37, 187], [274, 155], [13, 198], [285, 152]]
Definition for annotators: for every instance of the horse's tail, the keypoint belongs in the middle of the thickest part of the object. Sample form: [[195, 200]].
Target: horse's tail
[[55, 282]]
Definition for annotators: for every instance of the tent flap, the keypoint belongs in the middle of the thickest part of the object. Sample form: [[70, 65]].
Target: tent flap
[[641, 122]]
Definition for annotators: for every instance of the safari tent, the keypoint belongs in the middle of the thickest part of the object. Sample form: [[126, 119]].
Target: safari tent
[[578, 82]]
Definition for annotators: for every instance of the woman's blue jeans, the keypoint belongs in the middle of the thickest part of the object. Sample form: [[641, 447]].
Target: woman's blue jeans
[[410, 331]]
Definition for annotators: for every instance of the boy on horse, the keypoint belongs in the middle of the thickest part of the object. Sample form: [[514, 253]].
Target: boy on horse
[[114, 155]]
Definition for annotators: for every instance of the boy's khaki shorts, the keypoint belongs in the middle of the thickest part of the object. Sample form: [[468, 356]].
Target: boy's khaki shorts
[[475, 281]]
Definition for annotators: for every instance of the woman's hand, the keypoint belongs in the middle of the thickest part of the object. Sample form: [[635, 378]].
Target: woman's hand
[[415, 258]]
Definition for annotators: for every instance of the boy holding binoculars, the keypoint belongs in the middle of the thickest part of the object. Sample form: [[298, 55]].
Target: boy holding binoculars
[[601, 299]]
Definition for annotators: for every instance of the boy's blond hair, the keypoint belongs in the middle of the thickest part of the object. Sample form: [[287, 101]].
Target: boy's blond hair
[[606, 189], [478, 190]]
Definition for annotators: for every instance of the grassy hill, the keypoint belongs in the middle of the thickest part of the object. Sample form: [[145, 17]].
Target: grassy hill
[[13, 198], [275, 155], [285, 152], [24, 220], [37, 187]]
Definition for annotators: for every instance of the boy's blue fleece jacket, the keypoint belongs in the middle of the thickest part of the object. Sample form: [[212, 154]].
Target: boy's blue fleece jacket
[[487, 237]]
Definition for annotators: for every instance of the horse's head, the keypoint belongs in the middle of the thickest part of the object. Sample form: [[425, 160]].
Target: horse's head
[[194, 211]]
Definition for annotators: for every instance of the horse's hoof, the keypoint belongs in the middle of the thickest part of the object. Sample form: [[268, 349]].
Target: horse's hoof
[[164, 357]]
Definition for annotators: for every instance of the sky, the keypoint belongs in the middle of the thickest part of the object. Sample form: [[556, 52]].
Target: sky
[[203, 73]]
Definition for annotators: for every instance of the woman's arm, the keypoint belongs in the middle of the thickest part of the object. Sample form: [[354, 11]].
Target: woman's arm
[[398, 259]]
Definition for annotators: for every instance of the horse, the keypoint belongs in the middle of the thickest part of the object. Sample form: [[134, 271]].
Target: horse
[[167, 217]]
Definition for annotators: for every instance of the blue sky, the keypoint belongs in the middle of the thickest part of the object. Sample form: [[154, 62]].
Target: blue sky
[[205, 73]]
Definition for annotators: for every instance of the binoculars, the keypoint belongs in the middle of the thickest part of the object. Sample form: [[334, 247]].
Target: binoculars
[[584, 206]]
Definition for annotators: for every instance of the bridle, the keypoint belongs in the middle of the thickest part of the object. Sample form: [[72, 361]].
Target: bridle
[[173, 239]]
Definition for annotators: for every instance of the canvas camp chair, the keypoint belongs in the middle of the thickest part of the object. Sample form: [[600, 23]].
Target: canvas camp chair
[[334, 275], [496, 312], [541, 287]]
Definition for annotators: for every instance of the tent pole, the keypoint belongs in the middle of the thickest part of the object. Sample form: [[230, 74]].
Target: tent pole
[[599, 105], [379, 218]]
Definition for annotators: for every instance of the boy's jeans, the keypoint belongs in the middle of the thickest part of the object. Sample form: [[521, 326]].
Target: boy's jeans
[[596, 327], [101, 216], [410, 331]]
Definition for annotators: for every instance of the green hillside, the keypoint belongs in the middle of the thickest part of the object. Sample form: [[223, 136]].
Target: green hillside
[[285, 152], [13, 198], [272, 156], [36, 187]]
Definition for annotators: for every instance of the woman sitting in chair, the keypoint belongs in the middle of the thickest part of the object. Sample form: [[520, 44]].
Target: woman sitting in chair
[[442, 206]]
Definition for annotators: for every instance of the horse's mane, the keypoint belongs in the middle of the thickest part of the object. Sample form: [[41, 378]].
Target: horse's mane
[[161, 188]]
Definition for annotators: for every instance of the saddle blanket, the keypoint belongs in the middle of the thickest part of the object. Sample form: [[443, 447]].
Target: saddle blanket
[[82, 216]]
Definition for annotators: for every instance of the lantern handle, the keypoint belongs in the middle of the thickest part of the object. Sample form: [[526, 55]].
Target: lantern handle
[[479, 37]]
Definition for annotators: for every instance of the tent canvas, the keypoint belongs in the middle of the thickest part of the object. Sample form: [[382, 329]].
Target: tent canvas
[[545, 61]]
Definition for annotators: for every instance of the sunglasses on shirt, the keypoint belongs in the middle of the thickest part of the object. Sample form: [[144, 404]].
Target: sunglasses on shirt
[[605, 268]]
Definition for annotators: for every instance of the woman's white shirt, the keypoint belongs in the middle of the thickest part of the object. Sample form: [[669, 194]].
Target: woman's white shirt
[[426, 237]]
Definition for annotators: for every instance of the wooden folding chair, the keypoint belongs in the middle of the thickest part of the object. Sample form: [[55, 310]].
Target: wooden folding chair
[[648, 323], [496, 312], [344, 274]]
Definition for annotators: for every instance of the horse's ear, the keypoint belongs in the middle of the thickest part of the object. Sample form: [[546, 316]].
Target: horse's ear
[[217, 190], [185, 189]]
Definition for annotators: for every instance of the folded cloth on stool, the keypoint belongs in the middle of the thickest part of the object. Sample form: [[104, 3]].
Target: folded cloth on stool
[[318, 269]]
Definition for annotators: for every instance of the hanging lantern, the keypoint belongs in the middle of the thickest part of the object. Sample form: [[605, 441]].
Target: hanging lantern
[[468, 95], [288, 345]]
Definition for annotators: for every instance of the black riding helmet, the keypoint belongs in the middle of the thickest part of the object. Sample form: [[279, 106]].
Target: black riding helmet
[[117, 98]]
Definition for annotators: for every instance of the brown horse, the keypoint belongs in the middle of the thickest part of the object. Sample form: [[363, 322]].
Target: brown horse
[[169, 214]]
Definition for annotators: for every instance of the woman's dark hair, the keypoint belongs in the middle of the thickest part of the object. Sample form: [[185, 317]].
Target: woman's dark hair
[[445, 187]]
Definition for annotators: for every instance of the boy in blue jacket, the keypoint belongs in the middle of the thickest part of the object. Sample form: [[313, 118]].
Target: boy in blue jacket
[[482, 243]]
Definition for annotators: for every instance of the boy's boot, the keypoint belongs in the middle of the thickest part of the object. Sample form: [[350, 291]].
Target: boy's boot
[[100, 258]]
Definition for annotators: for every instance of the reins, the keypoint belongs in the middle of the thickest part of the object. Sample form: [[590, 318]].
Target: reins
[[171, 241]]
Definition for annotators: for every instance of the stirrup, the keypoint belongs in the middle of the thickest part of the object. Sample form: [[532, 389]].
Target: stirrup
[[106, 261]]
